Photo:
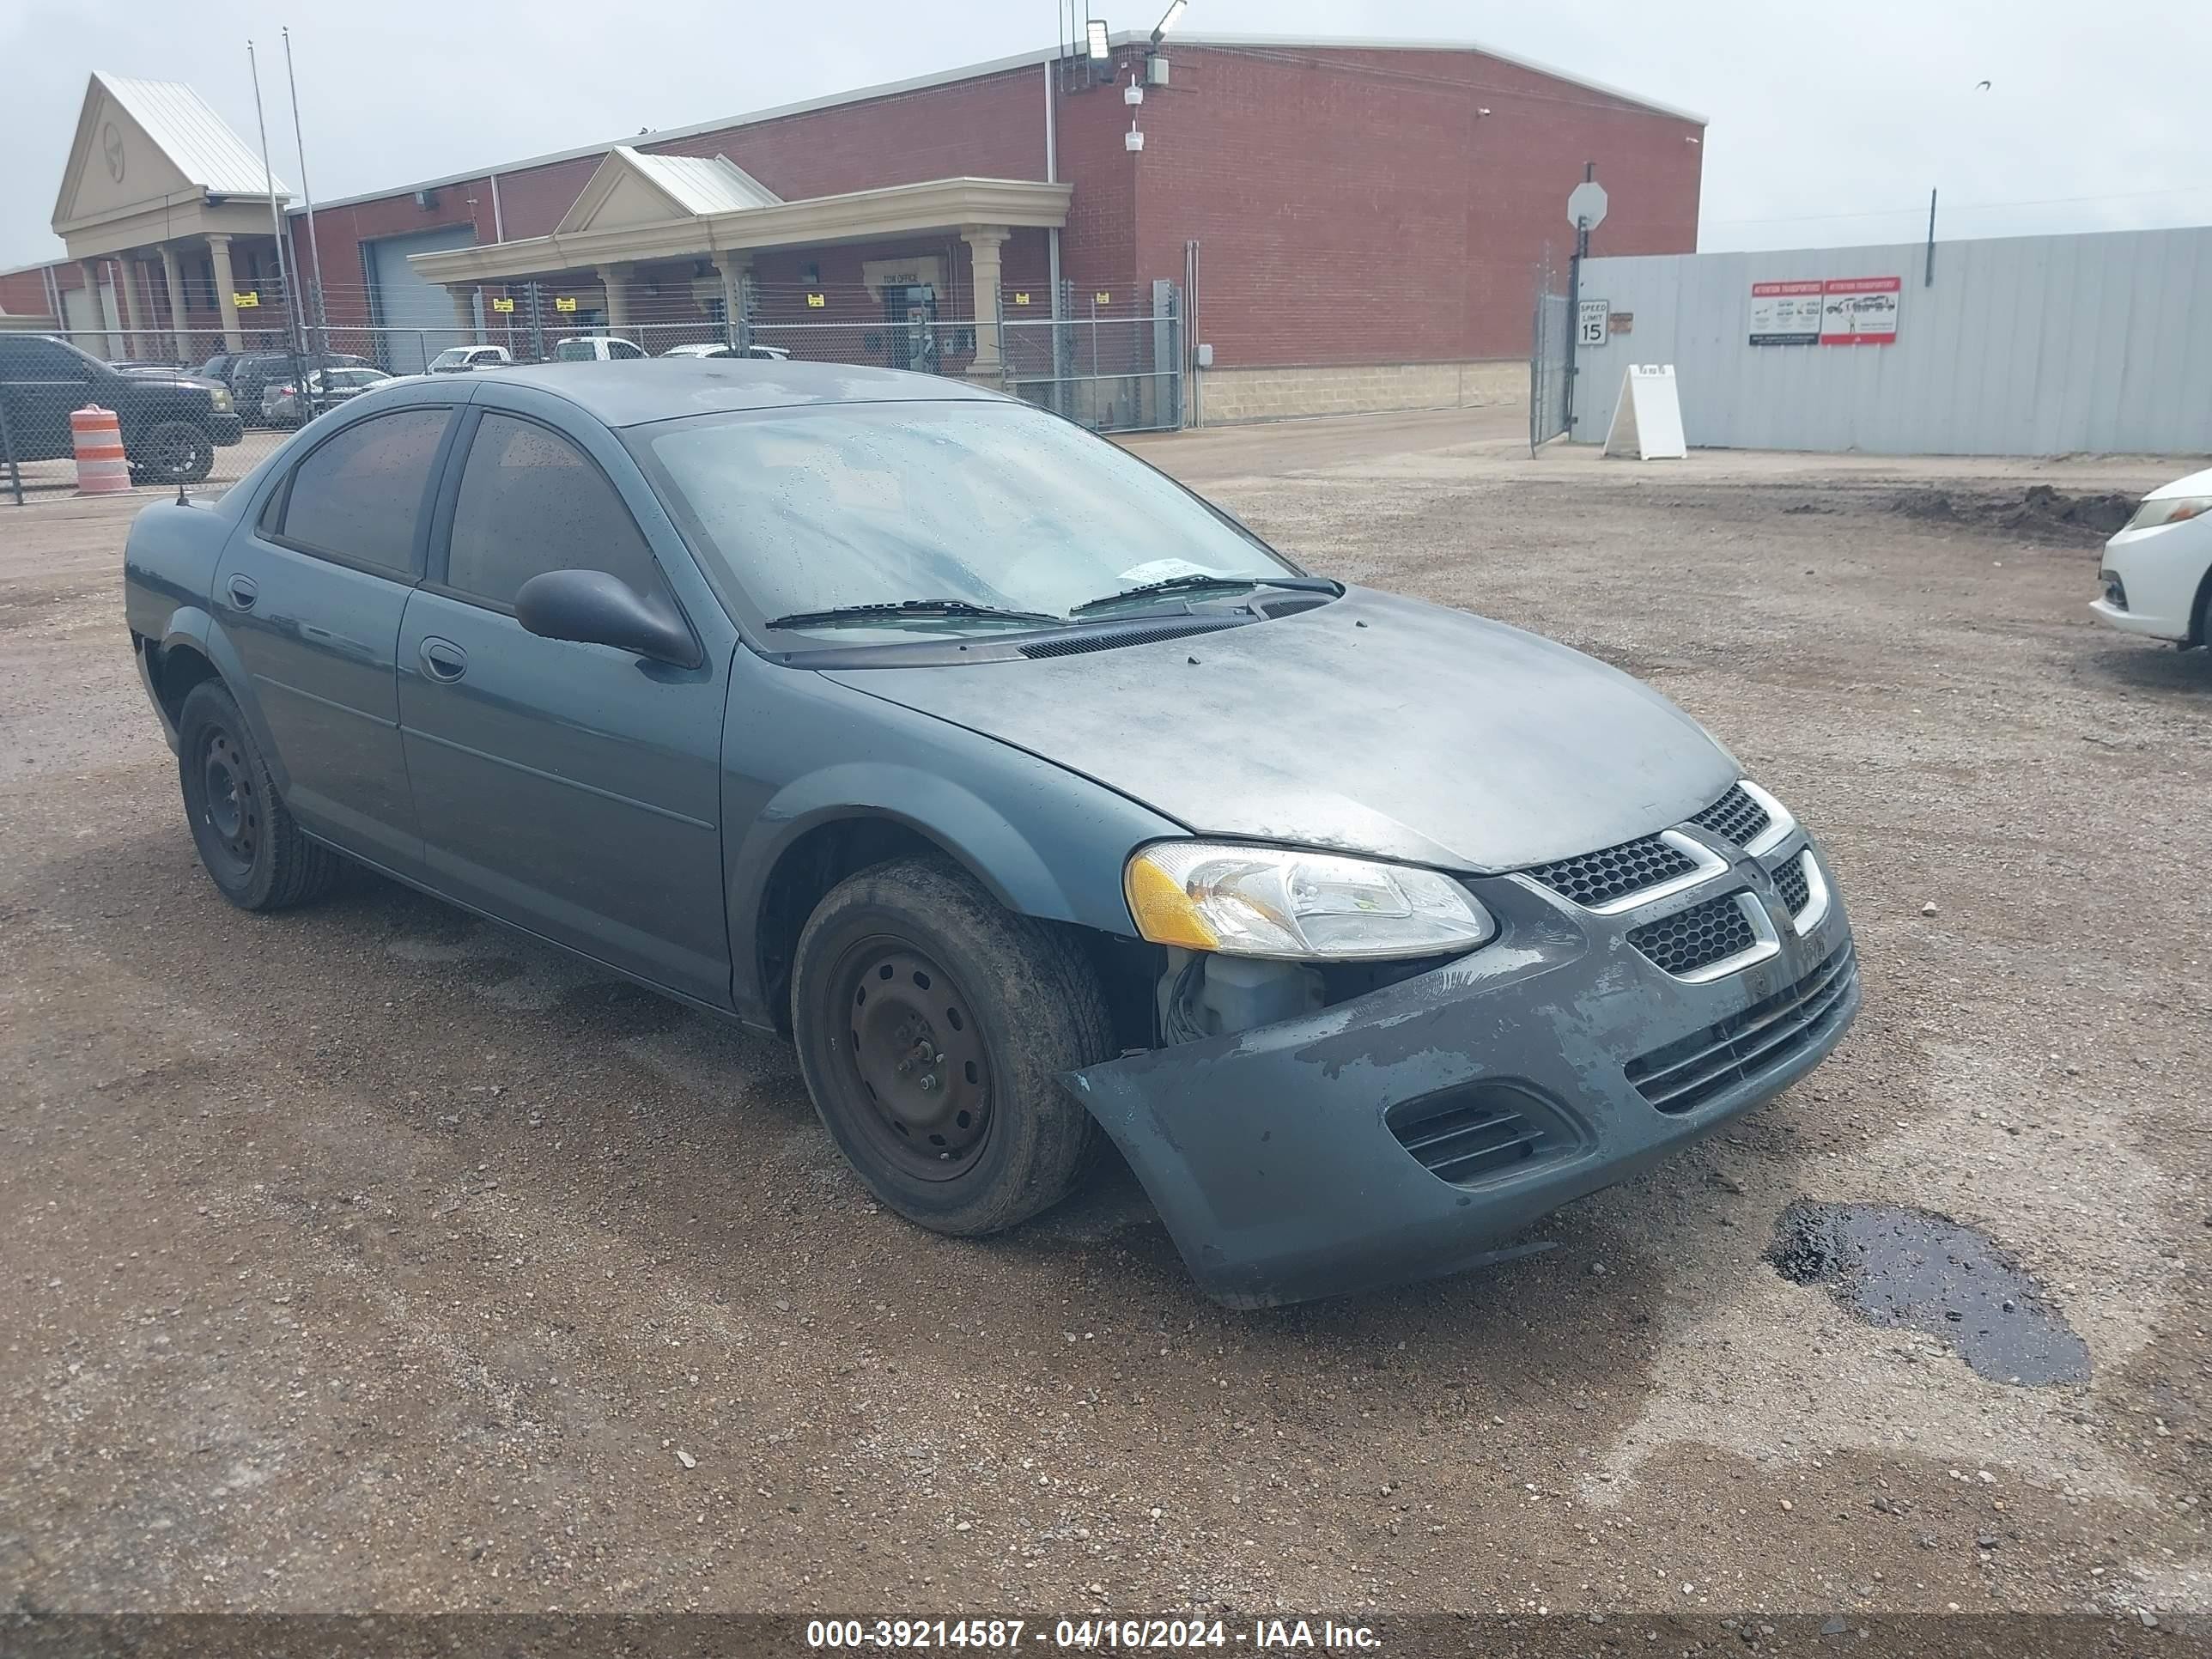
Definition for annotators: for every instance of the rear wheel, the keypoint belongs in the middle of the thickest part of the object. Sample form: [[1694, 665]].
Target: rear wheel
[[172, 452], [932, 1026], [251, 848]]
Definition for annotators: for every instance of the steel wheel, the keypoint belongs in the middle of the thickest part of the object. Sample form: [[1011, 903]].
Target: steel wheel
[[229, 804], [174, 451], [917, 1056]]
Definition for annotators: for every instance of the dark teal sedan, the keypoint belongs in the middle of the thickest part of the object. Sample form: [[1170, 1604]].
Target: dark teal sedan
[[1032, 796]]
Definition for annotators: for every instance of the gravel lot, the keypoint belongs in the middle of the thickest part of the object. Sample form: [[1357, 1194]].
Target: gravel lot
[[364, 1257]]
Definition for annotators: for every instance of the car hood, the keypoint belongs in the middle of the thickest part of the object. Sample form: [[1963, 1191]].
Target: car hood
[[170, 377], [1374, 725], [2197, 483]]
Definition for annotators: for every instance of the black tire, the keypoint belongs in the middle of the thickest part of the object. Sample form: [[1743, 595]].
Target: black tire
[[253, 850], [172, 452], [992, 1004]]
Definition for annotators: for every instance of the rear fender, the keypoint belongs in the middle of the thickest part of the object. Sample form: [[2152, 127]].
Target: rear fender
[[193, 629]]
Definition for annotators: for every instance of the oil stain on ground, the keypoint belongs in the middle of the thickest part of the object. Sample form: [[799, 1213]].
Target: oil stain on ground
[[1899, 1266]]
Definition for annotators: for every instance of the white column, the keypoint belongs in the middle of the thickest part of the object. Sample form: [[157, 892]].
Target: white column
[[616, 280], [984, 242], [224, 287], [89, 270], [128, 269], [173, 275], [737, 270], [464, 312]]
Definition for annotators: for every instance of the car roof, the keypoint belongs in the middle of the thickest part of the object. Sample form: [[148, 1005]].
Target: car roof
[[632, 392]]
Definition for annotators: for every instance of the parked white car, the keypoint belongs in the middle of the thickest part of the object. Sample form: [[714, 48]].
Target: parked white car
[[2157, 571], [454, 360], [716, 349], [596, 349]]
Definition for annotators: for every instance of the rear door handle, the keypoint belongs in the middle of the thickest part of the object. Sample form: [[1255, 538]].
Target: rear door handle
[[243, 591], [442, 658]]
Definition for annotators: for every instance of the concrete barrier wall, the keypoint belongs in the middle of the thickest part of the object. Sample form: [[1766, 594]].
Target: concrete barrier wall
[[1227, 396]]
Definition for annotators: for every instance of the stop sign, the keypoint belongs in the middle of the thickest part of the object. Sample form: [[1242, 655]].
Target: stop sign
[[1586, 205]]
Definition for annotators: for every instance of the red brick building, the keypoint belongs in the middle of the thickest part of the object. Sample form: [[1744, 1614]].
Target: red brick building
[[1367, 218]]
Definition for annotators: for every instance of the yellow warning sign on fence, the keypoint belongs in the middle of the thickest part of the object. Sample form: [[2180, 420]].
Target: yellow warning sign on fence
[[818, 300], [1104, 297], [564, 302], [498, 304], [245, 301], [1021, 299]]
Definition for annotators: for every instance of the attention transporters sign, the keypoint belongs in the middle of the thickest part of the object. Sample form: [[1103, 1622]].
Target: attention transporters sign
[[1831, 310]]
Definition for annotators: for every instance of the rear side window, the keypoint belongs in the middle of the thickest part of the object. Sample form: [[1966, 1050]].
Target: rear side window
[[359, 497], [623, 349], [531, 501], [41, 359]]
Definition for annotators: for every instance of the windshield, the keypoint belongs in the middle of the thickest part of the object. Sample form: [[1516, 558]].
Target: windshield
[[574, 351], [451, 357], [987, 504]]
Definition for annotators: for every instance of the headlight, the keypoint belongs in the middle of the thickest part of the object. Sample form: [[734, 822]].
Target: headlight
[[2169, 509], [1280, 902], [219, 398]]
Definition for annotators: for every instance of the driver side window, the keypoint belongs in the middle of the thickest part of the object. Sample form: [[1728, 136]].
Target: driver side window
[[531, 501]]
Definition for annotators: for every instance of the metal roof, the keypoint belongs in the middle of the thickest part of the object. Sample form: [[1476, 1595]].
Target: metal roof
[[703, 183], [192, 136]]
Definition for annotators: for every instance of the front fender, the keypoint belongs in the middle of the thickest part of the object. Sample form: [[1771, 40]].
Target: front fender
[[801, 751], [999, 854]]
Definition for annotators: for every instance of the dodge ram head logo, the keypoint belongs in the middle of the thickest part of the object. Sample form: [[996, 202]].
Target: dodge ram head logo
[[111, 145]]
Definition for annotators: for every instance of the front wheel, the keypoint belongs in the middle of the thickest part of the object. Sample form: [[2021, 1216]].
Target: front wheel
[[933, 1027], [172, 452], [253, 851]]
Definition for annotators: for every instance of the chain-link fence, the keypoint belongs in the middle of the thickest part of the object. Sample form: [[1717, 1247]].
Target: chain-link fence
[[1551, 359], [197, 408], [1113, 362]]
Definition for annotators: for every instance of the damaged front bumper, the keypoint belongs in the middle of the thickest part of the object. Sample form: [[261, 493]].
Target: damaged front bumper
[[1409, 1132]]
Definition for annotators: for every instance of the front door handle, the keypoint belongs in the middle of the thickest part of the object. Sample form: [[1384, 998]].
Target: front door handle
[[243, 591], [443, 659]]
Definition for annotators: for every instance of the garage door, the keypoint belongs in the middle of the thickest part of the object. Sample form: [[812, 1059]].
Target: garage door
[[400, 300]]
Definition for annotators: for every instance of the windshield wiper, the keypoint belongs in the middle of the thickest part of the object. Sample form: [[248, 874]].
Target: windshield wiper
[[1198, 583], [900, 610]]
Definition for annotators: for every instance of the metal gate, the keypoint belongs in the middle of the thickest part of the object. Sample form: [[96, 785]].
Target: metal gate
[[1114, 361], [1551, 359]]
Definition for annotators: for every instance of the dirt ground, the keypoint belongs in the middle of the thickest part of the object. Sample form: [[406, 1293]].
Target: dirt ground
[[363, 1257]]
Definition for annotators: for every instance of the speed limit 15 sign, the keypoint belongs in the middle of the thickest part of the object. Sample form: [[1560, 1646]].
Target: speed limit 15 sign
[[1590, 322]]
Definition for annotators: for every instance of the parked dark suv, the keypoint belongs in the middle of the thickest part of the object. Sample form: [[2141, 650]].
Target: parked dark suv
[[173, 422], [250, 373]]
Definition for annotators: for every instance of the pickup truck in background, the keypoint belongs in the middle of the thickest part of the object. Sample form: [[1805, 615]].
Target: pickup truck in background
[[173, 422]]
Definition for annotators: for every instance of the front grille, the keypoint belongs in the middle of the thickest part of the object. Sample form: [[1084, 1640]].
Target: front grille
[[1791, 884], [1466, 1135], [1735, 817], [1683, 1076], [1112, 639], [1594, 878], [1697, 937]]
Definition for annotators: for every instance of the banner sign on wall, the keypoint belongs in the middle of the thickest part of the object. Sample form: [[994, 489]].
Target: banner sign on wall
[[1785, 313], [1860, 310], [1839, 310]]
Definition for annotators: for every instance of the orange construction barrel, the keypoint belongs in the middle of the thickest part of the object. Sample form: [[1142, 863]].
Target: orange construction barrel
[[101, 467]]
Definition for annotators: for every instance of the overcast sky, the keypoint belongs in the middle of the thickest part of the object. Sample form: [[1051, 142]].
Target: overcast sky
[[1829, 122]]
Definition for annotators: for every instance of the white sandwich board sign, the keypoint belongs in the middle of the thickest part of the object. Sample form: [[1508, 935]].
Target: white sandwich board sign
[[1647, 421]]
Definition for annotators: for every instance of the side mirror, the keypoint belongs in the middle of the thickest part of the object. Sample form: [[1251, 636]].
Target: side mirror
[[593, 607]]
